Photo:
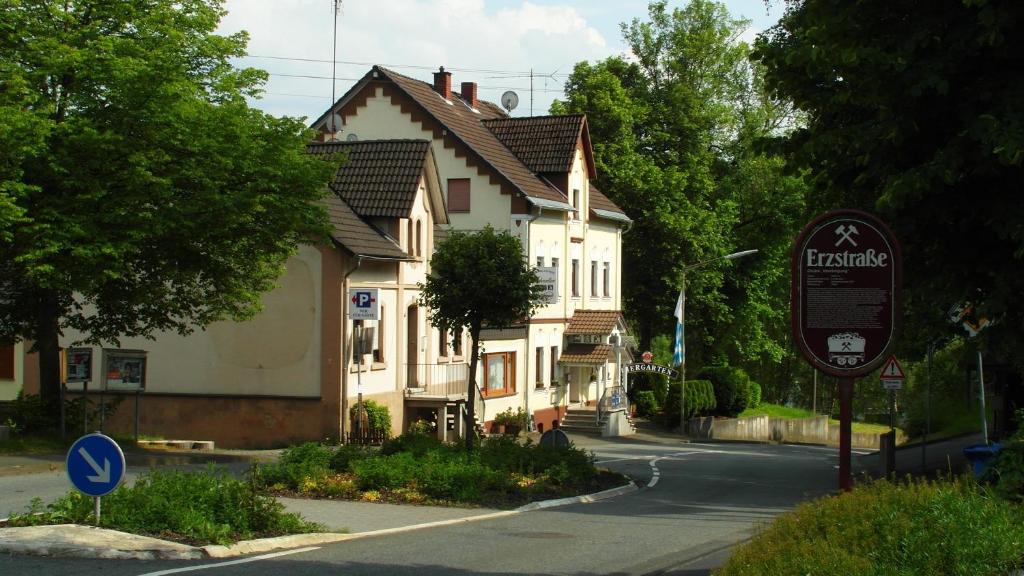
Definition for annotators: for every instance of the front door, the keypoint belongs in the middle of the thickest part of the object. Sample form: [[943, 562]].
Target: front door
[[412, 348], [576, 376]]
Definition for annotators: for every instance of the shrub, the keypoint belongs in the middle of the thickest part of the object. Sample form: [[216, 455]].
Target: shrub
[[513, 418], [412, 442], [346, 454], [700, 400], [378, 416], [298, 464], [882, 528], [646, 404], [648, 381], [1006, 472], [385, 472], [754, 394], [732, 391], [204, 507]]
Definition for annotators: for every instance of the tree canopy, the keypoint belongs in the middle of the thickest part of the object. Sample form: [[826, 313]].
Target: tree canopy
[[138, 190], [913, 112], [675, 138], [479, 279]]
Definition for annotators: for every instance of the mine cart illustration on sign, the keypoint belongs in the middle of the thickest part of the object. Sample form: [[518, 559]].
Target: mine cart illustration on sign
[[846, 349]]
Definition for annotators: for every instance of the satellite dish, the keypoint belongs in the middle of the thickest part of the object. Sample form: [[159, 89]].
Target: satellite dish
[[509, 100], [336, 123], [352, 137]]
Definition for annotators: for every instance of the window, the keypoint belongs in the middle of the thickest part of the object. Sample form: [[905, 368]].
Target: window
[[442, 344], [554, 365], [540, 261], [6, 362], [499, 374], [373, 343], [558, 279], [575, 204], [457, 343], [378, 349], [458, 194], [419, 238], [607, 278], [593, 278], [408, 239], [575, 278], [539, 371]]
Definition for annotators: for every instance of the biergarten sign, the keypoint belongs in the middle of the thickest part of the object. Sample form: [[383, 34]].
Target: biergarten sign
[[847, 272], [655, 368]]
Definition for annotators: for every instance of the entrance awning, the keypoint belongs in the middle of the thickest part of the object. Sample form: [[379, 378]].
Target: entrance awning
[[585, 354]]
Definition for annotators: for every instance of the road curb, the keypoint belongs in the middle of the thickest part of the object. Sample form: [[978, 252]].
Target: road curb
[[164, 550]]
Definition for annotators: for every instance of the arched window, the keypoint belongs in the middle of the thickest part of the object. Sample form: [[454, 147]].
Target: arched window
[[419, 237]]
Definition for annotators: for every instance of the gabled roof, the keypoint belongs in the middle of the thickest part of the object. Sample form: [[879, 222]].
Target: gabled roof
[[379, 178], [457, 120], [602, 207], [543, 143], [593, 322]]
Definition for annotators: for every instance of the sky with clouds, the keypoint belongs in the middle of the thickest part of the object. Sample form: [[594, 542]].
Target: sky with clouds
[[495, 43]]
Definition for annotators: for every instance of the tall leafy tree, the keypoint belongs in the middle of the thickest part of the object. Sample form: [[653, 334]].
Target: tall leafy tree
[[675, 137], [479, 279], [138, 190], [913, 113]]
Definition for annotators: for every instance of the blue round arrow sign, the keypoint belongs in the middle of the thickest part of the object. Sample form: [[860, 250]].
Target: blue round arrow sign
[[95, 464]]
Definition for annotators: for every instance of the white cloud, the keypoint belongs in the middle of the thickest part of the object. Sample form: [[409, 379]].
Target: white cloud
[[468, 37]]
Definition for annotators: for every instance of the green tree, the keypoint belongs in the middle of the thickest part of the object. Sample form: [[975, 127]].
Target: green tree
[[912, 113], [479, 279], [138, 190], [676, 138]]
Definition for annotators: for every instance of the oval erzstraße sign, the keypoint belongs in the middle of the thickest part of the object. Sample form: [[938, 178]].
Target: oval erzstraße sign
[[846, 275]]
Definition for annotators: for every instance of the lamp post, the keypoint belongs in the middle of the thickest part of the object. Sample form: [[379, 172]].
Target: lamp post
[[682, 319]]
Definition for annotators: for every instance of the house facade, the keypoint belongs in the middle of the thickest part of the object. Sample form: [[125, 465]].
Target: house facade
[[12, 370], [292, 373], [532, 178]]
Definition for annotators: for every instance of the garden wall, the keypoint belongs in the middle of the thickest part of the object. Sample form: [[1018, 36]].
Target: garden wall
[[813, 430]]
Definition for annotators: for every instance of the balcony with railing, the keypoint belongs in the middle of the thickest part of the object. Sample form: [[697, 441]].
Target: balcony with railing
[[437, 381]]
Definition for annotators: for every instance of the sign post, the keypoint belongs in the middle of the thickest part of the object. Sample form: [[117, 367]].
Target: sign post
[[95, 466], [846, 273]]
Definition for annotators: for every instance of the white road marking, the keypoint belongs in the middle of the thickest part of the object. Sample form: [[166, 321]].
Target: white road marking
[[231, 562]]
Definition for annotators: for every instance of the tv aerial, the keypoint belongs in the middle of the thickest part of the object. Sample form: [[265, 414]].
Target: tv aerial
[[509, 101]]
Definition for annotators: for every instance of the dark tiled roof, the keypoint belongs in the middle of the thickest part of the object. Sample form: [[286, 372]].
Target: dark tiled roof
[[543, 143], [593, 354], [599, 201], [593, 322], [356, 236], [466, 126], [378, 177]]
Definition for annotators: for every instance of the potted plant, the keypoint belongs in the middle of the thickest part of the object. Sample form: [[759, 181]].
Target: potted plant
[[511, 422]]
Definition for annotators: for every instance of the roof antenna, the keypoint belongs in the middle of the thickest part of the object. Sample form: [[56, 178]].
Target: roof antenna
[[334, 65]]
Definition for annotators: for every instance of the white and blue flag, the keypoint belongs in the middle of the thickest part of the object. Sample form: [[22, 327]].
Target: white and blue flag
[[679, 354]]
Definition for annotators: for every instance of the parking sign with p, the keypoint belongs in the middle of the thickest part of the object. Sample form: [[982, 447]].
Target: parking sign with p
[[363, 304]]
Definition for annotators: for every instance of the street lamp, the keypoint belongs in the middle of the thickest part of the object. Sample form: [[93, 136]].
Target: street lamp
[[682, 335]]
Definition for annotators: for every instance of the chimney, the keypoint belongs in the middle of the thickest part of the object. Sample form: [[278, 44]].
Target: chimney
[[469, 93], [443, 83]]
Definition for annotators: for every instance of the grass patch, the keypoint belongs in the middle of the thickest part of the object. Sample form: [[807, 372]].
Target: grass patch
[[914, 528], [32, 445], [419, 469], [198, 508], [776, 411]]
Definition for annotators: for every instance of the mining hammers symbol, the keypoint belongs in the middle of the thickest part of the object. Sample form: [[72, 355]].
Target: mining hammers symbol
[[846, 234]]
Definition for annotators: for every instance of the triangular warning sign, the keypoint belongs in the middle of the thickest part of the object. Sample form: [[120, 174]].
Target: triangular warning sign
[[892, 368]]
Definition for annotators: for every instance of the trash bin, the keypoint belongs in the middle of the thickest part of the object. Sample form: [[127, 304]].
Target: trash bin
[[981, 455]]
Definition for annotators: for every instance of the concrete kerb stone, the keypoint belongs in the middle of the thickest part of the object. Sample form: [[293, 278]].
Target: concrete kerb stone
[[89, 542]]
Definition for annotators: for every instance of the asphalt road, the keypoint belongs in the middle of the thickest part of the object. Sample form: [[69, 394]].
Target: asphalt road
[[696, 501]]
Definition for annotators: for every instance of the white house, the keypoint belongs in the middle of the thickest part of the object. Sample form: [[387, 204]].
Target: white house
[[532, 178]]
